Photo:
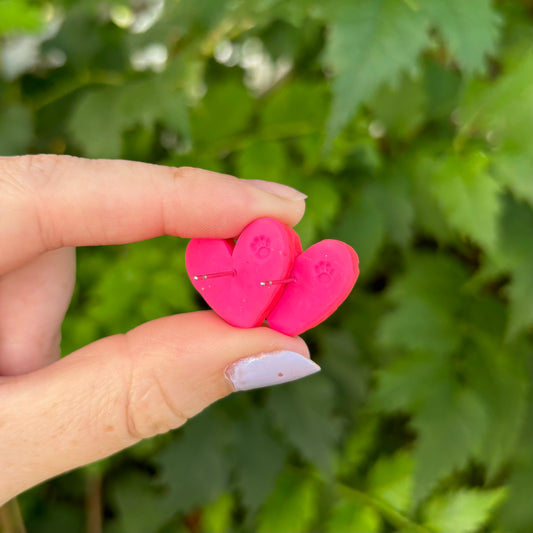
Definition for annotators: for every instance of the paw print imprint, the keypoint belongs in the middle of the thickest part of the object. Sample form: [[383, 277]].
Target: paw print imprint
[[261, 246], [323, 271]]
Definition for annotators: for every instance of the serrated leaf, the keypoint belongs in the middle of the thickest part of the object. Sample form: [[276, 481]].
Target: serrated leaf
[[468, 196], [370, 43], [451, 426], [420, 325], [463, 511], [502, 106], [259, 459], [431, 276], [310, 424], [391, 480], [502, 110], [292, 506], [498, 378], [403, 384], [348, 516], [428, 299], [470, 29], [196, 483]]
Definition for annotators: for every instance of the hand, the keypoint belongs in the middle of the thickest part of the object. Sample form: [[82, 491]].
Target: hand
[[56, 415]]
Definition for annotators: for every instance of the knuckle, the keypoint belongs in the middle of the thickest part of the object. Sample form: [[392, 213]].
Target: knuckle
[[149, 408], [37, 169], [183, 172], [27, 178]]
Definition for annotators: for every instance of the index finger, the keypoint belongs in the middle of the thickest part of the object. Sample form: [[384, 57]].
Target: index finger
[[48, 201]]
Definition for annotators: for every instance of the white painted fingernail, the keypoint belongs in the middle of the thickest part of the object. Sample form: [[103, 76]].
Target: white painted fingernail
[[266, 369]]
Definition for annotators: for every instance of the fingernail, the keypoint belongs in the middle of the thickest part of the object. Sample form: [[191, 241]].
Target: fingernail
[[284, 191], [266, 369]]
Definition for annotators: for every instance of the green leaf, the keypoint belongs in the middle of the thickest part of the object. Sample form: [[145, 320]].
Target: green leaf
[[501, 110], [468, 196], [224, 112], [310, 424], [442, 87], [370, 43], [463, 511], [259, 459], [428, 298], [515, 513], [362, 226], [451, 426], [292, 506], [417, 324], [16, 129], [498, 377], [17, 15], [450, 420], [428, 215], [391, 480], [184, 478], [470, 29], [393, 193], [217, 516], [514, 256], [296, 108], [431, 276], [357, 447], [265, 160], [139, 505], [101, 116], [348, 516], [501, 106], [400, 121], [402, 386]]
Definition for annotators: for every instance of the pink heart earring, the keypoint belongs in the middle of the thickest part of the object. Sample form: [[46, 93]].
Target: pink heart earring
[[265, 275], [242, 281]]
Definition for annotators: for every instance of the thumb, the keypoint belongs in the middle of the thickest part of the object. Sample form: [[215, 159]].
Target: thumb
[[121, 389]]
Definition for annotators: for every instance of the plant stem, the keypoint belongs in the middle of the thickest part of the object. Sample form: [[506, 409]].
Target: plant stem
[[11, 520], [396, 518]]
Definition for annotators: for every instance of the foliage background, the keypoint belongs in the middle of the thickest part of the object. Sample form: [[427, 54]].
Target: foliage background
[[408, 124]]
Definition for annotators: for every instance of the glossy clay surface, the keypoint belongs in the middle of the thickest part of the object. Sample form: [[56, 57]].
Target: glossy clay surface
[[264, 251], [323, 277]]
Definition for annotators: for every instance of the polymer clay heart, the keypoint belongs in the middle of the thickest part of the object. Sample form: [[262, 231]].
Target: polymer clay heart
[[228, 275], [324, 276]]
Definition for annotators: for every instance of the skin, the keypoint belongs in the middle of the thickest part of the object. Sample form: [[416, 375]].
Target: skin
[[56, 415]]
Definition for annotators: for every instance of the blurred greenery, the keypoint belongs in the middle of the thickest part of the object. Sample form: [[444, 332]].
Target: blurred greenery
[[408, 124]]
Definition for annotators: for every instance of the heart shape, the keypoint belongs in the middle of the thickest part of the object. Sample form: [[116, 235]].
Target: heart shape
[[264, 251], [324, 276]]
